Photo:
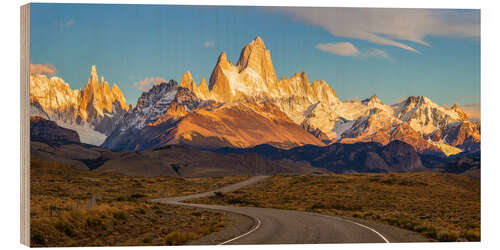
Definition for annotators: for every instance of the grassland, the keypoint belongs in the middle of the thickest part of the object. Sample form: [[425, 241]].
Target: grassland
[[443, 207], [72, 207]]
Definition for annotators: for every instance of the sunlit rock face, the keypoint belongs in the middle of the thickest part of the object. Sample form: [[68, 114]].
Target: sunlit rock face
[[315, 106], [93, 112], [245, 104]]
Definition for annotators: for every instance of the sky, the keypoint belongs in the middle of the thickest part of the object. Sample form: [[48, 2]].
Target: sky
[[393, 53]]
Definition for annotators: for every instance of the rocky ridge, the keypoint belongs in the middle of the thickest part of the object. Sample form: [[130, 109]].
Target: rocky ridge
[[244, 105], [93, 111], [315, 106]]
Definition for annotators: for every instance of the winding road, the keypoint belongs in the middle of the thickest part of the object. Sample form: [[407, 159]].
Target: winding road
[[275, 226]]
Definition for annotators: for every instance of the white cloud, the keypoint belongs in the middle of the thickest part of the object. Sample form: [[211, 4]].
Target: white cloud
[[148, 82], [209, 44], [67, 23], [43, 69], [378, 53], [473, 111], [390, 26], [341, 49], [348, 49]]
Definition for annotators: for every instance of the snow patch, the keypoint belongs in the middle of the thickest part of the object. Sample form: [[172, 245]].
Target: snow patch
[[87, 134]]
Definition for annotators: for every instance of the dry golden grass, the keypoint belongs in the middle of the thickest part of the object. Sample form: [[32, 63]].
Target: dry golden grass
[[444, 207], [71, 207]]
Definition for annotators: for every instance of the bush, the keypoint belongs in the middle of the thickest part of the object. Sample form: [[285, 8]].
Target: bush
[[95, 223], [471, 235], [176, 238], [37, 238], [242, 201], [120, 215], [447, 236], [65, 228], [137, 196], [318, 206]]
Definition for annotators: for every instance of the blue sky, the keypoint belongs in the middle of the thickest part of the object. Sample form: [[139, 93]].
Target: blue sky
[[389, 52]]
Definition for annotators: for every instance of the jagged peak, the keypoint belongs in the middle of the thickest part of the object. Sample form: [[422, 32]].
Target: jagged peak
[[456, 107], [93, 71], [169, 84], [187, 74], [115, 88], [301, 75], [460, 111], [257, 42], [256, 56], [373, 99], [418, 99], [187, 80], [203, 81], [222, 58]]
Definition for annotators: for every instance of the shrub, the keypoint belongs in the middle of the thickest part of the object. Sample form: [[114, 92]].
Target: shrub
[[471, 235], [147, 240], [64, 227], [176, 238], [120, 215], [447, 236], [37, 238], [317, 206], [95, 223], [137, 196], [242, 201]]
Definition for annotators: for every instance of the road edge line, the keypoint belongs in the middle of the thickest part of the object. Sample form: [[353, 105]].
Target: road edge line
[[257, 226], [359, 224]]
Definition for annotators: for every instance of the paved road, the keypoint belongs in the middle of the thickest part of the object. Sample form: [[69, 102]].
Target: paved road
[[275, 226]]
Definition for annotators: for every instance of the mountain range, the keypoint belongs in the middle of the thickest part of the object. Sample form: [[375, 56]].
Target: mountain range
[[92, 111], [54, 143], [246, 105]]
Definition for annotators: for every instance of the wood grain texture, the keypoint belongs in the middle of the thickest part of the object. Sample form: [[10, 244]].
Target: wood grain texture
[[25, 140]]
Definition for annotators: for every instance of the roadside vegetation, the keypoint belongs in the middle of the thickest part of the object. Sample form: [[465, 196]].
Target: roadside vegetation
[[443, 207], [72, 207]]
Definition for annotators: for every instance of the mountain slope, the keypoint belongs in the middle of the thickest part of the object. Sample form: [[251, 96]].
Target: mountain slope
[[254, 76], [244, 105], [315, 106], [169, 114], [93, 112], [54, 143]]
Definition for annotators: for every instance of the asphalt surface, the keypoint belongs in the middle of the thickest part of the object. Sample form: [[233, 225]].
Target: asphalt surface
[[276, 226]]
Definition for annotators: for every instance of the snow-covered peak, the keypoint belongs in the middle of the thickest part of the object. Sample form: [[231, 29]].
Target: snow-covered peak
[[254, 76], [160, 100], [424, 115], [372, 100], [96, 108]]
